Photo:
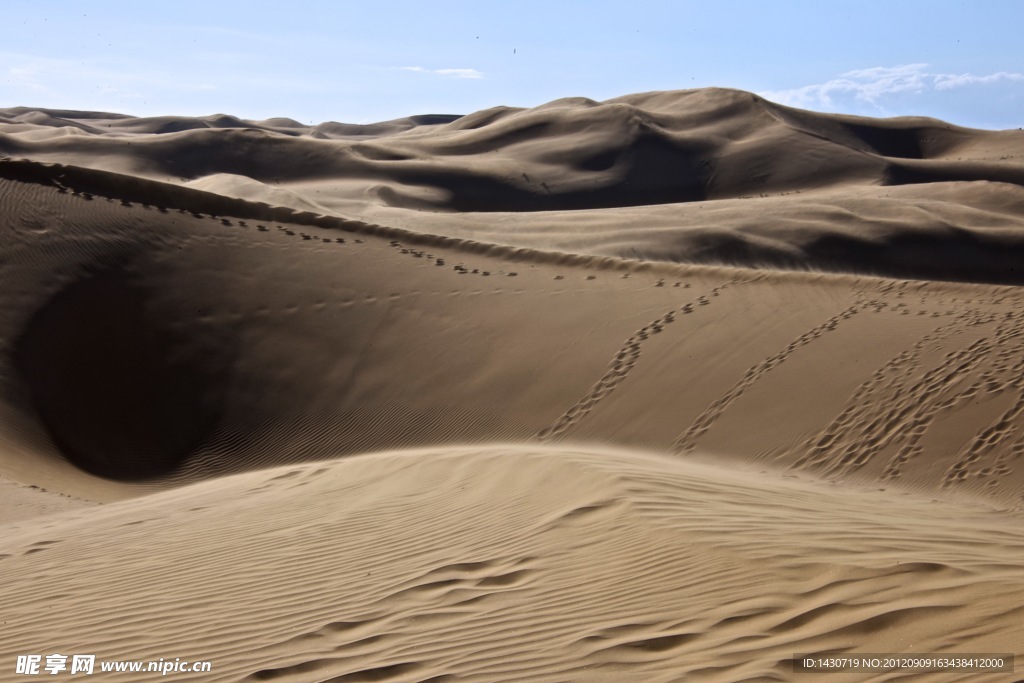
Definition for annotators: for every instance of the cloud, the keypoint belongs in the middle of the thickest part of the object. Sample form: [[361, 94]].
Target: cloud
[[949, 81], [138, 88], [873, 85], [83, 80], [460, 73], [454, 73]]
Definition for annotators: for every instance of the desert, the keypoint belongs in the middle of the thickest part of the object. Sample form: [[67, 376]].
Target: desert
[[673, 386]]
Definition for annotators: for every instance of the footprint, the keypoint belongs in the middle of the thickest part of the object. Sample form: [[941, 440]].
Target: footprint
[[687, 441]]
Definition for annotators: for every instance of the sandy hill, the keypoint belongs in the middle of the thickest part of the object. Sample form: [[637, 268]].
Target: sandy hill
[[512, 563], [907, 197], [562, 393]]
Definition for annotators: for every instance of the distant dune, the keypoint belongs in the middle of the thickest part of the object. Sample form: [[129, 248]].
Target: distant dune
[[669, 387], [664, 176]]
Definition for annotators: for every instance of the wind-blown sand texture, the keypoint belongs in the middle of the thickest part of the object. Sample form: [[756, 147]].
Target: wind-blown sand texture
[[667, 388]]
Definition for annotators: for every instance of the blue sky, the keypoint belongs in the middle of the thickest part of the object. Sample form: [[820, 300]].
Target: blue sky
[[369, 61]]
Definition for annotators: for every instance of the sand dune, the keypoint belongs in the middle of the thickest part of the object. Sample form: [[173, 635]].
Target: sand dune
[[508, 563], [671, 156], [433, 399]]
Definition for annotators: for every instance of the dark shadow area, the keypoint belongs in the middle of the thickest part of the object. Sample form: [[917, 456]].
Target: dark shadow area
[[121, 394], [903, 143], [652, 169], [951, 255]]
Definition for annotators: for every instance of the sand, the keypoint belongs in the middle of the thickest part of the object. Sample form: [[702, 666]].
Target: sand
[[671, 387]]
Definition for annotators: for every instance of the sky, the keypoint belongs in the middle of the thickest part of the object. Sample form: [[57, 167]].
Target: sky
[[360, 62]]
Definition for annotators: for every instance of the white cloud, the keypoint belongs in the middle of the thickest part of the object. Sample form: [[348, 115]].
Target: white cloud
[[949, 81], [454, 73], [137, 87], [44, 81], [460, 73], [872, 85]]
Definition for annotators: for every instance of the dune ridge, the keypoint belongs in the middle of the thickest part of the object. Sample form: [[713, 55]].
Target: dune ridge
[[162, 196]]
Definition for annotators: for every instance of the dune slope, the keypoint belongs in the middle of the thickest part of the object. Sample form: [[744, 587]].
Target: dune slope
[[513, 563], [156, 344]]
